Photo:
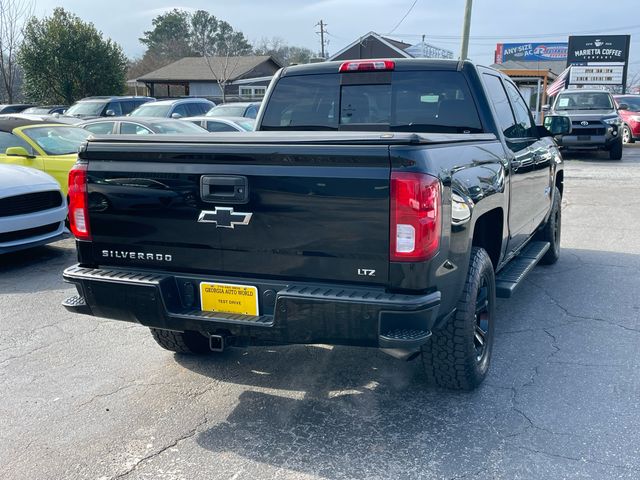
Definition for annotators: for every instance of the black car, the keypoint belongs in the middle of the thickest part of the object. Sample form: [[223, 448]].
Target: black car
[[92, 107], [14, 107], [239, 109], [140, 126], [46, 109]]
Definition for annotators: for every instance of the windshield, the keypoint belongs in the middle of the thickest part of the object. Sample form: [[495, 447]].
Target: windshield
[[227, 111], [176, 126], [632, 102], [420, 101], [86, 108], [151, 110], [584, 101], [57, 140], [36, 110]]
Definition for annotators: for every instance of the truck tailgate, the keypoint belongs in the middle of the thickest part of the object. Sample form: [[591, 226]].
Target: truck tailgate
[[309, 212]]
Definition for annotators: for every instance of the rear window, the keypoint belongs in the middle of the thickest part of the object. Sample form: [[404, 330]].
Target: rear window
[[421, 101]]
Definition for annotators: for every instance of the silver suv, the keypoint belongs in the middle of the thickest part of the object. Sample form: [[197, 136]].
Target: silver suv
[[175, 108], [595, 121]]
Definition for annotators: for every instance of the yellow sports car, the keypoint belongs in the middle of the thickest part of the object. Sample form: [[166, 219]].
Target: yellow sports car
[[40, 144]]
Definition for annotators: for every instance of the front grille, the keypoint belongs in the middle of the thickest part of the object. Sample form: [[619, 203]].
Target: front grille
[[30, 232], [29, 203], [589, 131]]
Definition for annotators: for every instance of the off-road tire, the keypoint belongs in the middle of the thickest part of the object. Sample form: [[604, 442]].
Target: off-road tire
[[189, 342], [451, 358], [551, 231], [615, 153]]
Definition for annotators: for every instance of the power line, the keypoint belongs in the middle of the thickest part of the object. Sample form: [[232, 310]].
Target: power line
[[530, 35], [405, 16]]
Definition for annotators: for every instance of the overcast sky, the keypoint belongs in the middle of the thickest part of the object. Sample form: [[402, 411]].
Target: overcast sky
[[440, 20]]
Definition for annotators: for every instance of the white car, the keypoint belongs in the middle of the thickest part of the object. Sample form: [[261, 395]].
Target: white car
[[32, 208]]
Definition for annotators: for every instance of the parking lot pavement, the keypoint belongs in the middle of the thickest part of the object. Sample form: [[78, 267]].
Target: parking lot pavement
[[97, 399]]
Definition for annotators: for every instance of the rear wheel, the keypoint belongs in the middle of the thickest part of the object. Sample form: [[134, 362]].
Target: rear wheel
[[189, 342], [616, 151], [458, 354]]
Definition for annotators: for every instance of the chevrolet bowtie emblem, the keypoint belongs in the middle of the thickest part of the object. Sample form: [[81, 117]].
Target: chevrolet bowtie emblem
[[224, 217]]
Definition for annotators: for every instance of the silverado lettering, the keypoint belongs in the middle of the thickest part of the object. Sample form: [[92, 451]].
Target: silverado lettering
[[136, 255], [392, 201]]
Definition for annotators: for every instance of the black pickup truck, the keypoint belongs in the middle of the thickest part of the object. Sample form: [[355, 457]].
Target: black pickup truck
[[381, 204]]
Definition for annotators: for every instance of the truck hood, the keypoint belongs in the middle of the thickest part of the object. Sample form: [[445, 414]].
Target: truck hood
[[15, 176], [583, 114]]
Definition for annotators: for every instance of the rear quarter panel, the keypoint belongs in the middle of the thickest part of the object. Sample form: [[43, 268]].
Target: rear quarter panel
[[478, 173]]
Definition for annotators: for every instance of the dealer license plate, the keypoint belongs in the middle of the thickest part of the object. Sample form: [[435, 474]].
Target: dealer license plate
[[584, 138], [229, 298]]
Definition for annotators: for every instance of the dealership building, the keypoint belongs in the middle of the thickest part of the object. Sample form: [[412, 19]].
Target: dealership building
[[532, 66]]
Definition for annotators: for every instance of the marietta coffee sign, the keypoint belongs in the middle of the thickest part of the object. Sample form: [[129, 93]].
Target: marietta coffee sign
[[598, 49]]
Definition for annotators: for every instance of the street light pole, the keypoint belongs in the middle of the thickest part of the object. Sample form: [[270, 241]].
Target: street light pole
[[464, 52]]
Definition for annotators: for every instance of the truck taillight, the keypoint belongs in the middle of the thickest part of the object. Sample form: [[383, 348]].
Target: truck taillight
[[415, 217], [79, 202]]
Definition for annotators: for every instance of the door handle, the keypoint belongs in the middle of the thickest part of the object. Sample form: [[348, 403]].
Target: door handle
[[224, 189]]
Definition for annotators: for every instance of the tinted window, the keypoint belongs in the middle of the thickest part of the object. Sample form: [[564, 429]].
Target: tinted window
[[227, 110], [199, 108], [86, 108], [252, 112], [10, 140], [500, 101], [151, 109], [181, 110], [101, 128], [115, 106], [424, 101], [220, 127], [584, 101], [632, 102], [176, 126], [525, 126], [128, 106], [127, 128]]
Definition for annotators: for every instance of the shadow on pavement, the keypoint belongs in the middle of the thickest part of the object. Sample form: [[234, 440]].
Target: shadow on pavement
[[31, 270], [352, 412]]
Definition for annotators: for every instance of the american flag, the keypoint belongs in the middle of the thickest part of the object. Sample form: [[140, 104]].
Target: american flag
[[559, 83]]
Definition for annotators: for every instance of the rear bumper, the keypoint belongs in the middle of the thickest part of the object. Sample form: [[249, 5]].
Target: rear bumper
[[302, 313]]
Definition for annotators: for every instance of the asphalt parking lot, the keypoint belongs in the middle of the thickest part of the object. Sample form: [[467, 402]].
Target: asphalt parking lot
[[85, 398]]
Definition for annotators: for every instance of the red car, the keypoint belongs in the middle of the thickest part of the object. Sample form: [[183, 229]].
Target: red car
[[630, 117]]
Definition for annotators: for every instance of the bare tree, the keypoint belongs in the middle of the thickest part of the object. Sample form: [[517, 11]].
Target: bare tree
[[13, 16], [223, 69], [228, 48]]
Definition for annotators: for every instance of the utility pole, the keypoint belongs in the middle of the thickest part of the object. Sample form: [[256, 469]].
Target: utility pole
[[464, 51], [322, 31]]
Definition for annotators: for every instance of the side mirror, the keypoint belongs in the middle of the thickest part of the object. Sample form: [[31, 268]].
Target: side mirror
[[176, 115], [110, 113], [546, 108], [557, 125], [18, 152], [623, 106]]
